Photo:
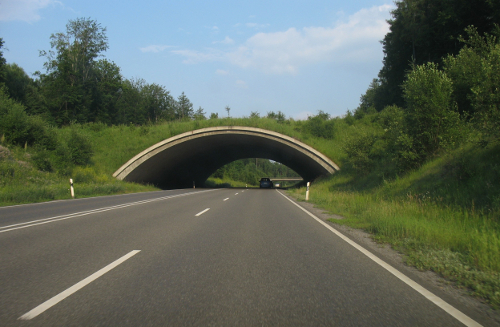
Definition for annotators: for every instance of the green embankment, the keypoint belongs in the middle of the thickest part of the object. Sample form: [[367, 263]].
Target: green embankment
[[444, 216], [112, 146]]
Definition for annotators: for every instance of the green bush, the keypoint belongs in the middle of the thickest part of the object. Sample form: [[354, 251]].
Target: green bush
[[14, 120], [320, 126], [41, 160], [79, 149], [431, 120], [360, 154], [475, 73], [21, 129]]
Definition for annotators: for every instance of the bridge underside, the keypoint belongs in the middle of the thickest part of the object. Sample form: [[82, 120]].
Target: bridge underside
[[194, 156]]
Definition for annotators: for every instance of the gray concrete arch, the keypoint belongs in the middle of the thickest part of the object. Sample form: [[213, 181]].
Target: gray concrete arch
[[193, 156]]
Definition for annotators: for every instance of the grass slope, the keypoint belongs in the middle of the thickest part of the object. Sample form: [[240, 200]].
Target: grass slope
[[444, 217]]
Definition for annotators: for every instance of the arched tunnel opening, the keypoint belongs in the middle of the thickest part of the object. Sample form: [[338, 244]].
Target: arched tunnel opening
[[248, 173], [192, 157]]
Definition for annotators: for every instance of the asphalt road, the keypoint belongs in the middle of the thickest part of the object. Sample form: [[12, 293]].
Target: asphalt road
[[162, 259]]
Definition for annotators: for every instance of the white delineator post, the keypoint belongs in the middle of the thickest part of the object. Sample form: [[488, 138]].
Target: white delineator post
[[72, 189], [307, 191]]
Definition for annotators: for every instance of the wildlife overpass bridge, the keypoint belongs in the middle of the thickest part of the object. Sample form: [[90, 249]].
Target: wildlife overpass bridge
[[192, 157]]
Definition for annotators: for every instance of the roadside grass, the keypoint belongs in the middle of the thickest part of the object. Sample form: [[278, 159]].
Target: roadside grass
[[435, 231], [21, 183]]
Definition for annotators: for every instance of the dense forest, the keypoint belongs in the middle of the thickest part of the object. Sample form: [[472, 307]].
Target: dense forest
[[423, 31], [438, 87]]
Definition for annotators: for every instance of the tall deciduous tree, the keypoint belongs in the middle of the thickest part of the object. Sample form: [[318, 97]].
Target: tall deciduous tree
[[106, 92], [71, 66], [17, 82], [158, 103]]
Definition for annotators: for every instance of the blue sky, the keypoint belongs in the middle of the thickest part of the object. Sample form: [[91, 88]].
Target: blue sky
[[297, 57]]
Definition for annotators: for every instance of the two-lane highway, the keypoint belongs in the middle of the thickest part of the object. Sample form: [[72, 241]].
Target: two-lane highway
[[228, 257]]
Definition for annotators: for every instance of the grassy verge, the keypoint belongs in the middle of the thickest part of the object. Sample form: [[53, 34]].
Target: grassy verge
[[20, 183]]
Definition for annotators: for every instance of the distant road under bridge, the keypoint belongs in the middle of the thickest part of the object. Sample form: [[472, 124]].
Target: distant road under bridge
[[286, 179], [192, 157]]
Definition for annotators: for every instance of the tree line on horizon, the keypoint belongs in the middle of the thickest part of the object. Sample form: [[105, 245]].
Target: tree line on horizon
[[80, 85]]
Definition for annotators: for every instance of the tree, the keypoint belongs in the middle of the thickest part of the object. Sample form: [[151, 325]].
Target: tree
[[424, 31], [214, 115], [200, 114], [158, 103], [369, 102], [71, 64], [254, 114], [2, 63], [279, 116], [83, 41], [430, 116], [130, 104], [16, 81], [475, 72], [320, 125], [184, 107], [106, 92], [228, 110]]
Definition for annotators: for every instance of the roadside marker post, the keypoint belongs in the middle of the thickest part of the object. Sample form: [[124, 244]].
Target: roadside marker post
[[72, 189], [307, 191]]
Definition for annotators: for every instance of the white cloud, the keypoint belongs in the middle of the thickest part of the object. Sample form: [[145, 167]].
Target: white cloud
[[25, 10], [257, 26], [221, 72], [285, 52], [155, 48], [194, 57], [241, 84], [353, 40], [227, 40]]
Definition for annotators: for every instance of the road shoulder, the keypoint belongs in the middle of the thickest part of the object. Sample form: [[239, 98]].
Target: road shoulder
[[436, 284]]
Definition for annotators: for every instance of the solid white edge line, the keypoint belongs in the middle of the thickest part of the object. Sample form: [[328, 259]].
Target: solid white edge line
[[78, 199], [202, 212], [225, 199], [464, 319], [84, 213], [61, 296]]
